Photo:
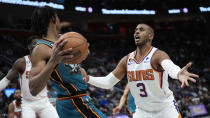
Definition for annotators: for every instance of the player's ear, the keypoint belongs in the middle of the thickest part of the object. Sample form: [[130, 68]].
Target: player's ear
[[151, 36]]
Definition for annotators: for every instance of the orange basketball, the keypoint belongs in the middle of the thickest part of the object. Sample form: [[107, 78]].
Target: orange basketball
[[79, 46]]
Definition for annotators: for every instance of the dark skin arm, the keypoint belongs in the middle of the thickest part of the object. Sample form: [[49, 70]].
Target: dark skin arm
[[183, 75], [157, 58], [41, 71], [122, 100], [11, 110], [119, 72], [17, 68]]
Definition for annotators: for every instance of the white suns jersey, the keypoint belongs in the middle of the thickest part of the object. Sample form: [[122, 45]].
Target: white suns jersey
[[17, 111], [148, 86], [24, 83]]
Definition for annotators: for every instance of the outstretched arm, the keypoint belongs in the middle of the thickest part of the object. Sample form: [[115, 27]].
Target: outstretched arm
[[162, 59], [41, 71], [122, 100], [17, 68], [111, 79]]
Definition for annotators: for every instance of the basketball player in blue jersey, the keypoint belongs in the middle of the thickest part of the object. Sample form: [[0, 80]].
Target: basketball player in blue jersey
[[147, 70], [128, 100], [48, 62]]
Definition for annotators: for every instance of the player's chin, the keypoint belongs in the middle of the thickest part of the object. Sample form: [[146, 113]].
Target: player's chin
[[138, 44]]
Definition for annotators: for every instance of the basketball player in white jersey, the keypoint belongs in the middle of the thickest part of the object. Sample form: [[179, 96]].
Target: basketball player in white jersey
[[147, 70], [31, 105], [14, 108]]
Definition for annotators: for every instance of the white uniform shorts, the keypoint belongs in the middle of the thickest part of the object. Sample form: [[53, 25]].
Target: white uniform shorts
[[170, 111], [42, 108]]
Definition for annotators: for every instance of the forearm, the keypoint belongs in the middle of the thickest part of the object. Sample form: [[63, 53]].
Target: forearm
[[171, 68], [4, 83], [106, 82], [122, 102], [11, 110], [39, 81], [11, 115]]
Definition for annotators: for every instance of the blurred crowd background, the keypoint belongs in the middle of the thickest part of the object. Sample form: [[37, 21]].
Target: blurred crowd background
[[184, 38]]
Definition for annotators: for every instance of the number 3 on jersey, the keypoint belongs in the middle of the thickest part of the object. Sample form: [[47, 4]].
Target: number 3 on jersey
[[143, 92]]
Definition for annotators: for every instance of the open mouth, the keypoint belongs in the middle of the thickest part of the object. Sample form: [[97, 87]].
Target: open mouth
[[137, 37]]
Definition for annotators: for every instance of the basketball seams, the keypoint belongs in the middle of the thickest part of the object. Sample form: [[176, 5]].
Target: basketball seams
[[77, 57], [79, 46], [77, 38]]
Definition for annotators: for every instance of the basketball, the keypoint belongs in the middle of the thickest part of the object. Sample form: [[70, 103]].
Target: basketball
[[79, 46]]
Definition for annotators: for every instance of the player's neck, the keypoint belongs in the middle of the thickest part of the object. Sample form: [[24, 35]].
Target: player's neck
[[51, 36], [141, 51]]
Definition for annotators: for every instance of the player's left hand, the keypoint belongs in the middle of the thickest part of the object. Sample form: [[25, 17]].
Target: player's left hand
[[184, 75]]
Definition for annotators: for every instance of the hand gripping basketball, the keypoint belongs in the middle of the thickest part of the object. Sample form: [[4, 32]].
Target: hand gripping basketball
[[79, 46], [58, 54]]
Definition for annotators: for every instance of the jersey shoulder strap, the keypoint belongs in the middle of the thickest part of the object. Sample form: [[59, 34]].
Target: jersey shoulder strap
[[45, 42]]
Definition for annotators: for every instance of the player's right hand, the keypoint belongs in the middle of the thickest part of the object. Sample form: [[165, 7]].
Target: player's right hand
[[84, 74], [116, 110], [58, 54]]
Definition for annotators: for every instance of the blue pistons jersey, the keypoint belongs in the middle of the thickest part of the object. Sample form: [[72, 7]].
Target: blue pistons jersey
[[72, 100], [66, 79]]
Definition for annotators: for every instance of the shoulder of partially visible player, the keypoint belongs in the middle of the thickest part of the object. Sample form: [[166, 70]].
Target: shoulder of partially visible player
[[42, 51]]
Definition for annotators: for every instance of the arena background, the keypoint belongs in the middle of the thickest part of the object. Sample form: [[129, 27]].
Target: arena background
[[182, 29]]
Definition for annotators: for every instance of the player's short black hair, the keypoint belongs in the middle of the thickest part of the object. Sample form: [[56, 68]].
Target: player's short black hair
[[41, 18]]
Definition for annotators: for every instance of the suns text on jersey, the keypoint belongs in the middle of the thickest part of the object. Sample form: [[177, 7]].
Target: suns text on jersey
[[140, 75]]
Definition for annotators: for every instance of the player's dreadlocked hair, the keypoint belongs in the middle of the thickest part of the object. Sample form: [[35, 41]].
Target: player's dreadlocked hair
[[41, 18]]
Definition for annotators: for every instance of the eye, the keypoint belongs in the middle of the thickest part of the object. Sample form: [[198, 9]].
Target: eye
[[141, 29]]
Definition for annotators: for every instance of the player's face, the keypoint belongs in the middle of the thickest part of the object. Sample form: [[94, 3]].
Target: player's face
[[141, 35], [17, 94]]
